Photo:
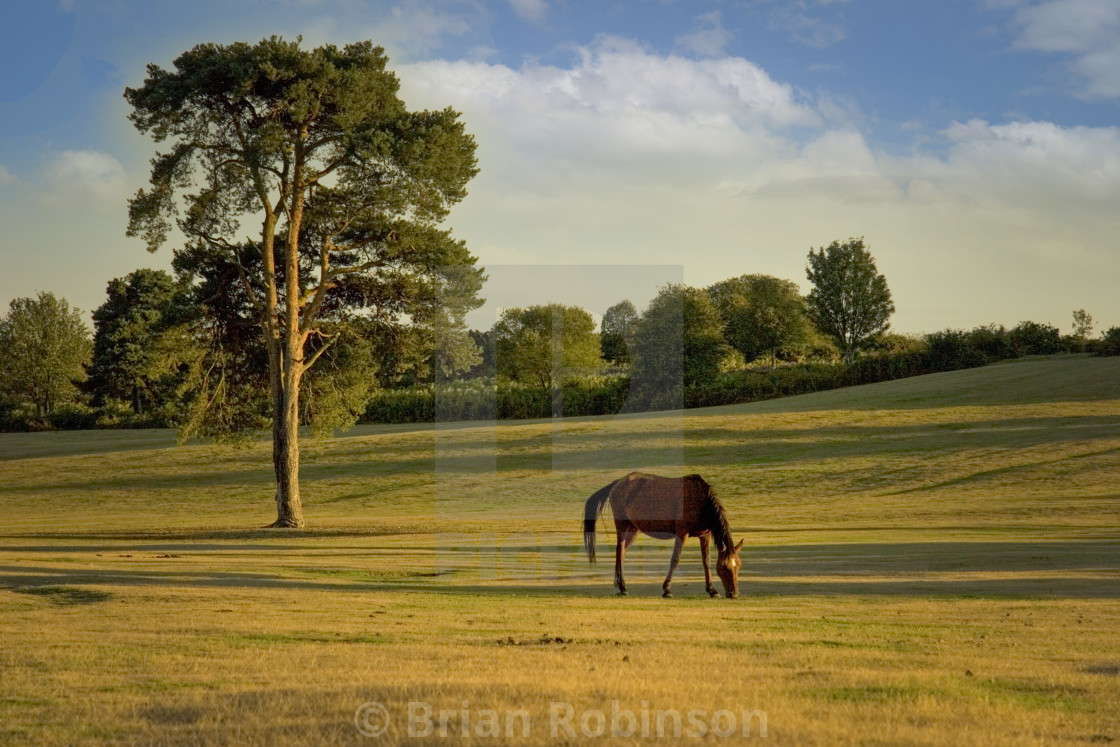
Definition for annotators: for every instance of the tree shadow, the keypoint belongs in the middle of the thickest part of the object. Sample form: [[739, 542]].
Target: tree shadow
[[510, 458], [1050, 569]]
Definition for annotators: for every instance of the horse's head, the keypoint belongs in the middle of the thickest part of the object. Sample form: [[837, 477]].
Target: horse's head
[[727, 566]]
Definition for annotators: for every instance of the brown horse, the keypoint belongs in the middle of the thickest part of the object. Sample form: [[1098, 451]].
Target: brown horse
[[666, 507]]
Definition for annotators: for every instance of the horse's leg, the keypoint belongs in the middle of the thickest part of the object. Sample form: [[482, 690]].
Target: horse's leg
[[704, 539], [625, 537], [672, 566]]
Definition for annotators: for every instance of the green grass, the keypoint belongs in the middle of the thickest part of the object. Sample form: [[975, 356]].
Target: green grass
[[931, 560]]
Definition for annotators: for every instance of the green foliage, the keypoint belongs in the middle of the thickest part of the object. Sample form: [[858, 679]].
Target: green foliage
[[221, 390], [1083, 325], [993, 342], [679, 343], [735, 387], [486, 366], [1110, 342], [951, 349], [335, 393], [763, 316], [479, 399], [489, 399], [886, 366], [46, 348], [138, 308], [544, 345], [619, 324], [249, 121], [850, 301], [892, 342], [1033, 338]]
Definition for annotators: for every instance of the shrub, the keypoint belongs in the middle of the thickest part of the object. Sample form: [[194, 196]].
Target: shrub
[[872, 369], [73, 417], [1110, 342], [894, 342], [951, 349], [489, 399], [1032, 338], [992, 342]]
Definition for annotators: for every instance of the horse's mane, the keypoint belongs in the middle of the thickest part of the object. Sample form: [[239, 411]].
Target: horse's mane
[[716, 518]]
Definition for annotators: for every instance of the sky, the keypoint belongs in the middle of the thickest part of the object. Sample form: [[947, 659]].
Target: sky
[[974, 144]]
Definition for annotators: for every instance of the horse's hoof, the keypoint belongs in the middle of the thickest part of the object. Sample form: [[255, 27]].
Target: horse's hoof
[[623, 593], [713, 593], [667, 595]]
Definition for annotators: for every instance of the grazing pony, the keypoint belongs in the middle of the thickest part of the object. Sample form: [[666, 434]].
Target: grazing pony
[[666, 508]]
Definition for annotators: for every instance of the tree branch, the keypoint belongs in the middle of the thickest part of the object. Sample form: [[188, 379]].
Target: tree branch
[[331, 339]]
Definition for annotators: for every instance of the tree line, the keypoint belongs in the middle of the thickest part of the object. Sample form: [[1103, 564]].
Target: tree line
[[181, 350]]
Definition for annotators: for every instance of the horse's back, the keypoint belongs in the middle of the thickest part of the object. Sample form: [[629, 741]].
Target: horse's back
[[659, 506]]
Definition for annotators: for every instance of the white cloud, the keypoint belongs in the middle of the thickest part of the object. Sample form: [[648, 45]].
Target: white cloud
[[628, 156], [620, 110], [708, 37], [7, 178], [84, 174], [410, 29], [481, 52], [617, 99], [1068, 25], [533, 11], [1087, 30], [807, 25], [420, 29], [1037, 164]]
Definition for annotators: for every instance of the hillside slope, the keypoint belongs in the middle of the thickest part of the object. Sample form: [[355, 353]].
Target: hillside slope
[[1026, 443], [1035, 380]]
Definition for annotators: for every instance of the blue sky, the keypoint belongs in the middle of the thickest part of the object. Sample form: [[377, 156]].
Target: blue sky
[[974, 143]]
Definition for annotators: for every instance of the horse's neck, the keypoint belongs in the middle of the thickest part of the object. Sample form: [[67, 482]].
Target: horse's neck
[[721, 533]]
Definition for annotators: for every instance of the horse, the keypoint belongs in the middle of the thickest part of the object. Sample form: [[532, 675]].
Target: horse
[[666, 508]]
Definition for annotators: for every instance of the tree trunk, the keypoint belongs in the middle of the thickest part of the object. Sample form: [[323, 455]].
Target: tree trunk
[[289, 510], [279, 438], [285, 448]]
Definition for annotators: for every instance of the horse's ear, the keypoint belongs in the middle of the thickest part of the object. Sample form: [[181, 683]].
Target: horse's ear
[[738, 545]]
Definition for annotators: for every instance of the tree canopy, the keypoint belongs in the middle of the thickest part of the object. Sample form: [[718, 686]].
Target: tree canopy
[[679, 342], [138, 308], [348, 188], [619, 324], [545, 344], [762, 315], [46, 347], [850, 301]]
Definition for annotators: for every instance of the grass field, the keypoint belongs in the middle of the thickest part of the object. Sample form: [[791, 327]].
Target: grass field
[[934, 561]]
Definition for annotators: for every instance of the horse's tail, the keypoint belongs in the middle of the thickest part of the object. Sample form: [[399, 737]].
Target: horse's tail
[[591, 512]]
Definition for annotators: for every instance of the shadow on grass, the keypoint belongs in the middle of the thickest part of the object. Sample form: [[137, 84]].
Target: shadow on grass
[[94, 540], [607, 451], [65, 595], [1055, 569]]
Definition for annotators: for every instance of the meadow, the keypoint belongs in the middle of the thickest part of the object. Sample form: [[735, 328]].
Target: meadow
[[933, 560]]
